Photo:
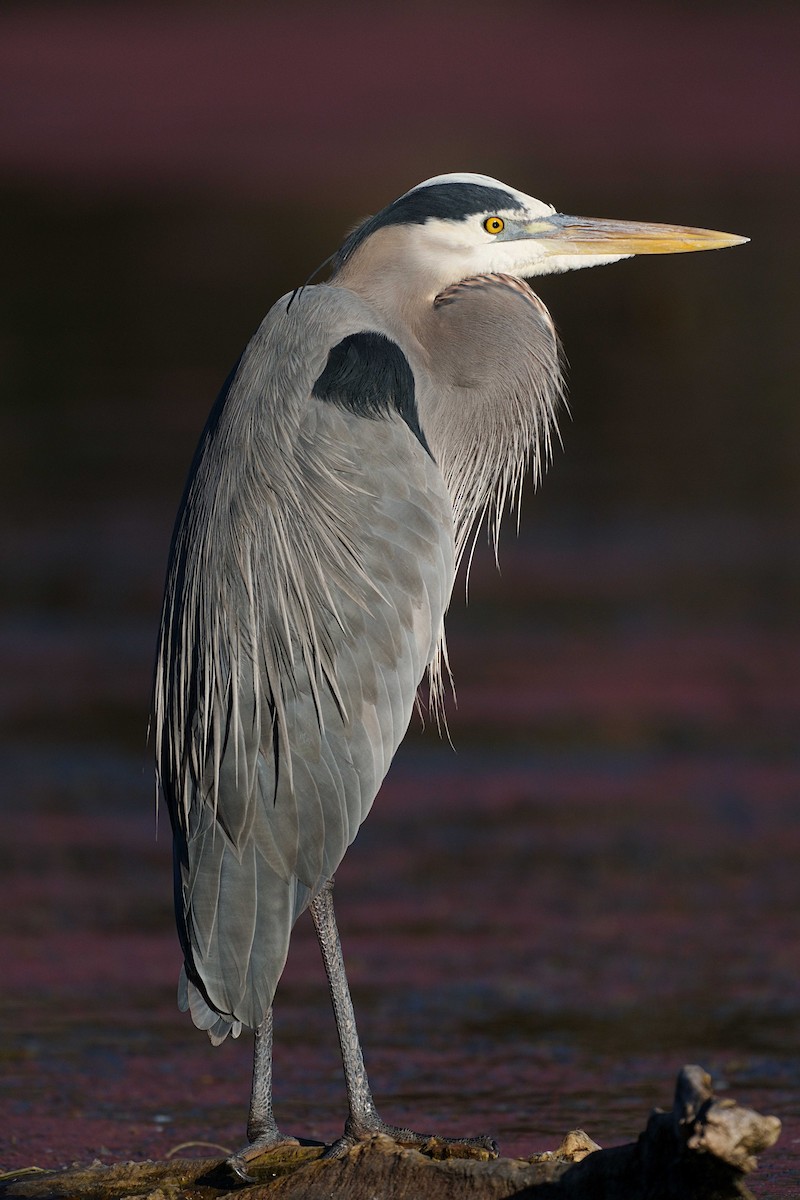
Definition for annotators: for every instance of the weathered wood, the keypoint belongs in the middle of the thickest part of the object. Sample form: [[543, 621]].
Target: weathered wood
[[700, 1150]]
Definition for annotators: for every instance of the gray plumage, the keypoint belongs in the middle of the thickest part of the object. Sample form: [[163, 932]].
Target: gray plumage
[[302, 608], [370, 426]]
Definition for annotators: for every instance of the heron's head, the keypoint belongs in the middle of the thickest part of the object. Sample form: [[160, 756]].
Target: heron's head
[[456, 226]]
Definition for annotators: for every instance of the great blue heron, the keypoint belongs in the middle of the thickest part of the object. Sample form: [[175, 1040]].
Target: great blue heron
[[369, 426]]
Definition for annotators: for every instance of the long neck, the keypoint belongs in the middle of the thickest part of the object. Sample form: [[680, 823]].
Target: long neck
[[486, 359], [489, 397]]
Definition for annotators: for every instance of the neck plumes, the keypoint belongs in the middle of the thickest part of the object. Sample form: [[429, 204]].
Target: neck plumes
[[488, 404]]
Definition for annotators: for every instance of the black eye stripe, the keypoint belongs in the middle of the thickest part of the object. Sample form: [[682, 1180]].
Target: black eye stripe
[[443, 201]]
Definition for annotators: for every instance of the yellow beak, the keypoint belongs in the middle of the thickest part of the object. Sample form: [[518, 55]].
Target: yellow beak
[[591, 235]]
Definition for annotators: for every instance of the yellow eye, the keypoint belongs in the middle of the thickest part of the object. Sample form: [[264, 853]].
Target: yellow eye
[[494, 224]]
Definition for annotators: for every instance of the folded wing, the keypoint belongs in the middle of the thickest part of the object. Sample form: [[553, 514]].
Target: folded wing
[[310, 569]]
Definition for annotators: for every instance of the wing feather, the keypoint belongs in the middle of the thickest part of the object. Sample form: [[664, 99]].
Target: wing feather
[[309, 573]]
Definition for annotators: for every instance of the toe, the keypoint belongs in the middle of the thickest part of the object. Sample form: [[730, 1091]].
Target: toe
[[271, 1139]]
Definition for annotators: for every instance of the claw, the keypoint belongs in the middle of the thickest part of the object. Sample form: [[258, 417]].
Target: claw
[[236, 1164], [271, 1139], [340, 1147]]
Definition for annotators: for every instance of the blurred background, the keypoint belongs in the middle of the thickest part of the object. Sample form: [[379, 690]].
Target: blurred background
[[599, 882]]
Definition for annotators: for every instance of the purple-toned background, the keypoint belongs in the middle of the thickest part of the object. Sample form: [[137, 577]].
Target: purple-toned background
[[600, 882]]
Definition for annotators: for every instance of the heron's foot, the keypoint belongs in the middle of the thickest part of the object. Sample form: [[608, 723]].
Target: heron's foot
[[428, 1143], [268, 1138]]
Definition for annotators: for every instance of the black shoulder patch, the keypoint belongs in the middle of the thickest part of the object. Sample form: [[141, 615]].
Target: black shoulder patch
[[368, 374]]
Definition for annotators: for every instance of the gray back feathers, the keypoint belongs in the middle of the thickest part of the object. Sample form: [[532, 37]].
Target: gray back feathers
[[310, 569], [333, 491]]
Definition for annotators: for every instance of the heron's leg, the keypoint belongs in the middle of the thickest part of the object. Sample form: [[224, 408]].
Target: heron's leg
[[260, 1121], [262, 1130], [362, 1118]]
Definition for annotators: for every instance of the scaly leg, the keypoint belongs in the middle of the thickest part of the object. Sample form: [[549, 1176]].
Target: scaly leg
[[262, 1130], [363, 1118]]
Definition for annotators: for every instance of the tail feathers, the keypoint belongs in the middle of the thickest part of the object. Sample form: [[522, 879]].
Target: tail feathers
[[216, 1026]]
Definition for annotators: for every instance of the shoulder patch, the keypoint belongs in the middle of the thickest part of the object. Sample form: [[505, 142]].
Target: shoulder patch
[[368, 374]]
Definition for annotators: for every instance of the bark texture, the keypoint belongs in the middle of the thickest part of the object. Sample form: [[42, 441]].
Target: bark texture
[[701, 1149]]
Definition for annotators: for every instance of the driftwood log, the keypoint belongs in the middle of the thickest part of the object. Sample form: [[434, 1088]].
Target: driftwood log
[[700, 1150]]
